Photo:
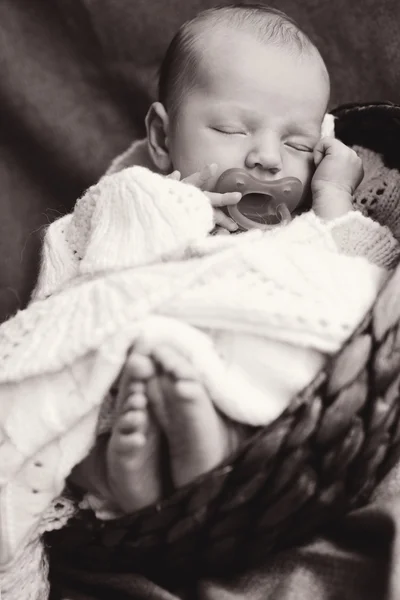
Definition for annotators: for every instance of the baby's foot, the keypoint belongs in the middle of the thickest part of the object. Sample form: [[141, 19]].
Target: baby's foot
[[133, 452], [198, 436]]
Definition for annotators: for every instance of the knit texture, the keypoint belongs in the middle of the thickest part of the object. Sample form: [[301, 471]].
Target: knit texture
[[356, 235], [120, 216], [378, 195], [28, 577]]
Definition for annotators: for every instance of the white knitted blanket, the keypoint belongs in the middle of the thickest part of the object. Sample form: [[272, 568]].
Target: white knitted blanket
[[135, 261]]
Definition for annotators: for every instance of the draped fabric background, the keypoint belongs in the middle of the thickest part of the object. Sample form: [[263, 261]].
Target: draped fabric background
[[76, 78]]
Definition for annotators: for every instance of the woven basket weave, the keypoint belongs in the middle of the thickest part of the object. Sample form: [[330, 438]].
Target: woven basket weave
[[321, 458]]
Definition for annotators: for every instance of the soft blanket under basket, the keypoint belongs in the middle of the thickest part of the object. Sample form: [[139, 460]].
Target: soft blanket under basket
[[321, 457]]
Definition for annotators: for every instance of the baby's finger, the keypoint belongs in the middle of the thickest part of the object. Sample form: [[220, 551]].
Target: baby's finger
[[175, 175], [224, 221], [221, 231], [329, 146], [228, 199]]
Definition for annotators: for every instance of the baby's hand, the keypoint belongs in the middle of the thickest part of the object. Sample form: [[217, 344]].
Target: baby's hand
[[339, 172], [206, 180]]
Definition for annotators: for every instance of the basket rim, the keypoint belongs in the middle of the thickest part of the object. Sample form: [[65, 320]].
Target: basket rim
[[380, 106]]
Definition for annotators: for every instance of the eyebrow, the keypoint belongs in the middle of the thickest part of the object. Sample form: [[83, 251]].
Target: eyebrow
[[240, 111], [307, 130], [240, 108]]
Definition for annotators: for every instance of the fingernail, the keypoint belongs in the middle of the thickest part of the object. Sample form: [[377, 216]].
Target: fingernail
[[213, 168]]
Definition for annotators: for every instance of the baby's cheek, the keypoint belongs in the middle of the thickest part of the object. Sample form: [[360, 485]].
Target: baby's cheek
[[185, 154], [194, 159], [309, 172], [306, 169], [303, 168], [306, 201]]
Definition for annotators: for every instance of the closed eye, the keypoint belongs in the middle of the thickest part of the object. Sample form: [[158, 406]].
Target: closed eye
[[228, 131], [299, 147]]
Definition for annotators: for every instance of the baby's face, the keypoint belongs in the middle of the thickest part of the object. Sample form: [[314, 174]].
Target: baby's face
[[258, 108]]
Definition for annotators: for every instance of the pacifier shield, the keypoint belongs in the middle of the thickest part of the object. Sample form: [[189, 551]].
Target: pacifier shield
[[264, 203]]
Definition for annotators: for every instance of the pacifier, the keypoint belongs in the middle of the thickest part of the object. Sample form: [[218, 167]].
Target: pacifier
[[264, 204]]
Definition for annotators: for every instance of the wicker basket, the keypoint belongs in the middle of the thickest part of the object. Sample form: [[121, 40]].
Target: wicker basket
[[321, 458]]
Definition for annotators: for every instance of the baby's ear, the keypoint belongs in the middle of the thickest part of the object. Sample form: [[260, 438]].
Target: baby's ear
[[157, 131]]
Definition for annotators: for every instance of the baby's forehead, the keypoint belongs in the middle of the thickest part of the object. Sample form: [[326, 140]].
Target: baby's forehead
[[239, 73], [225, 45]]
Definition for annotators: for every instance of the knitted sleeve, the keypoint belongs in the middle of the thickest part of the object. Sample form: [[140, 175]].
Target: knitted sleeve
[[357, 235], [131, 218], [135, 218]]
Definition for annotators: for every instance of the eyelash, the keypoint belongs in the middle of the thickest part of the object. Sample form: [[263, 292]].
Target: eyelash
[[228, 132], [299, 148]]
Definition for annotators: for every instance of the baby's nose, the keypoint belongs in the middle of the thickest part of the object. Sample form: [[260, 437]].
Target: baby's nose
[[266, 155]]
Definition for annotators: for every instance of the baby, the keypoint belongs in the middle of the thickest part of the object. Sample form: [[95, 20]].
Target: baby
[[240, 86], [200, 337]]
